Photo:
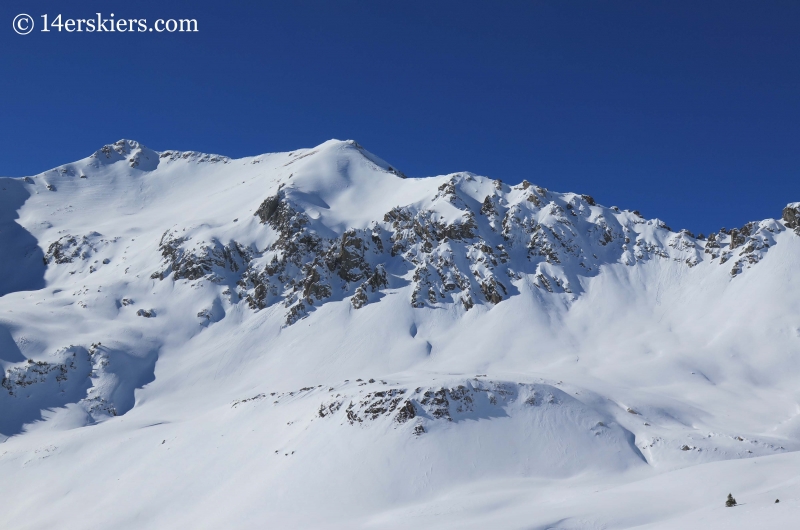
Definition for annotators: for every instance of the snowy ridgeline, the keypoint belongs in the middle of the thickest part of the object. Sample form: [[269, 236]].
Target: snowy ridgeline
[[191, 289], [460, 239]]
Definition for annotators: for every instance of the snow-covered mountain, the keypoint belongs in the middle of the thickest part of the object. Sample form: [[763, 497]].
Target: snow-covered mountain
[[313, 340]]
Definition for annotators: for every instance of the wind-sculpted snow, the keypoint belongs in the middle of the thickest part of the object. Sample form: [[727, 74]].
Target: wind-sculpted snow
[[316, 340]]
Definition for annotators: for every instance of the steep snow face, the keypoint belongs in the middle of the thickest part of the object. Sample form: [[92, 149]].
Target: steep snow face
[[335, 341]]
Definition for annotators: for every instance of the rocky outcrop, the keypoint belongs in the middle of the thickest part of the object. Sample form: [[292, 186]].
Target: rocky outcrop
[[474, 254], [37, 373], [791, 216], [424, 407], [743, 246], [374, 283], [269, 208], [201, 260], [69, 248]]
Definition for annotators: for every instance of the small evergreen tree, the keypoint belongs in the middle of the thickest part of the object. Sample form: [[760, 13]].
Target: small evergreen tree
[[731, 502]]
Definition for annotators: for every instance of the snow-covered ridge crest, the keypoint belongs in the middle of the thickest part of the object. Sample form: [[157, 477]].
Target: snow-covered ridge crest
[[135, 151], [339, 225], [132, 148]]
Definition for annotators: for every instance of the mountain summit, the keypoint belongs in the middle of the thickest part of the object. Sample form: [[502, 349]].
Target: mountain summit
[[313, 338]]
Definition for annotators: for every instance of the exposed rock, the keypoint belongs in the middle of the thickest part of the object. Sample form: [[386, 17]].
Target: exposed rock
[[68, 248], [448, 261], [427, 406], [199, 261], [488, 208], [36, 372], [490, 291], [268, 208], [791, 216]]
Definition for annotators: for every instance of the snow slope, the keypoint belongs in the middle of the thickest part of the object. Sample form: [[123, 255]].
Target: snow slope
[[312, 340]]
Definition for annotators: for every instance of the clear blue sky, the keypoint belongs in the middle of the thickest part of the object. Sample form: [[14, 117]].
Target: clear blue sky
[[688, 111]]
